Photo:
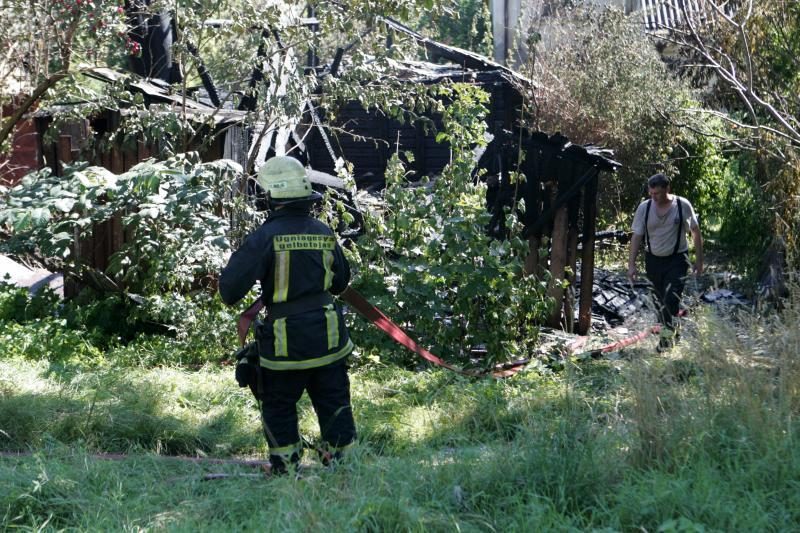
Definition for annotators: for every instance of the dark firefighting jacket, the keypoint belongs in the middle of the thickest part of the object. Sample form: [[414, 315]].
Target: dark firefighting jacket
[[299, 263]]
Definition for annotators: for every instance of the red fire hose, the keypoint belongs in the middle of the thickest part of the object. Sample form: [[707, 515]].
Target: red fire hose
[[395, 332]]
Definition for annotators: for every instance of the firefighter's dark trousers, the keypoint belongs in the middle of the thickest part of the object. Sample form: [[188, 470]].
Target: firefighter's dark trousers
[[668, 276], [329, 390]]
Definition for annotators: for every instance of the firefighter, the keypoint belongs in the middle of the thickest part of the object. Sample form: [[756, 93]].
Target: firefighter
[[303, 343]]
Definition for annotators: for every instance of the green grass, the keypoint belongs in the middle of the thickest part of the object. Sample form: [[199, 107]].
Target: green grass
[[702, 439]]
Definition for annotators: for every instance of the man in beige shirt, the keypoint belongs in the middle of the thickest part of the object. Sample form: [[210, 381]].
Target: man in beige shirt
[[663, 222]]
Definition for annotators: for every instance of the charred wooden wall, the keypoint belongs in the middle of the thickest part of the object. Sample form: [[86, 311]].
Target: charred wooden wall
[[368, 138], [560, 187], [25, 155]]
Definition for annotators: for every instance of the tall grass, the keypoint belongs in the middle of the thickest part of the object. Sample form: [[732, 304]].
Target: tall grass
[[701, 439]]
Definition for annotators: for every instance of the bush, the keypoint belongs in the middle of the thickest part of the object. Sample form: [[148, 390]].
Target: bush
[[602, 81], [704, 177], [426, 260], [93, 329], [746, 217], [18, 304], [174, 214]]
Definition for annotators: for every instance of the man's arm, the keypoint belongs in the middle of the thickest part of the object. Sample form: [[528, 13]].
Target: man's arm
[[636, 242], [697, 237], [244, 268]]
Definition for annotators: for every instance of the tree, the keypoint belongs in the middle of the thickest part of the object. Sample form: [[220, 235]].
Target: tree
[[254, 51], [600, 80], [751, 55], [462, 23], [48, 41]]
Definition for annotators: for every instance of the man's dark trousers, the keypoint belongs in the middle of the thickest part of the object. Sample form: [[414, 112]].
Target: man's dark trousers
[[329, 390], [668, 276]]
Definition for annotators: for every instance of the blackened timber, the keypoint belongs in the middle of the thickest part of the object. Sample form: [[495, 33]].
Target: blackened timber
[[337, 60], [561, 200], [248, 102], [558, 262], [420, 154], [205, 76], [532, 260], [587, 256], [383, 141], [533, 209], [572, 258], [311, 56]]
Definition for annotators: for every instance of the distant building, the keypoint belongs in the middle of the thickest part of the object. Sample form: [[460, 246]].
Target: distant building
[[513, 20]]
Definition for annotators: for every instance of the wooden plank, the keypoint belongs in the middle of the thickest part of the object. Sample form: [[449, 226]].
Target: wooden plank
[[384, 149], [533, 208], [587, 259], [117, 233], [143, 150], [558, 262], [129, 158], [104, 160], [64, 152], [47, 154], [532, 266], [572, 259], [63, 156], [100, 245], [117, 163]]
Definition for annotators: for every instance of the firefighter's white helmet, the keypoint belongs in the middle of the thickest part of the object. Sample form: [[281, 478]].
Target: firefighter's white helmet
[[285, 180]]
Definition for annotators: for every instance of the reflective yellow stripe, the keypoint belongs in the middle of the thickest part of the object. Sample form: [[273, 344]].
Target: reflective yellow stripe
[[281, 343], [286, 451], [327, 262], [280, 292], [332, 320], [308, 363]]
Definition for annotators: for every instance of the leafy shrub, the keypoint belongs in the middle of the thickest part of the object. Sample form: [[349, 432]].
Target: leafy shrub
[[18, 304], [178, 217], [49, 339], [704, 176], [746, 217], [426, 259], [94, 328], [174, 214], [34, 326]]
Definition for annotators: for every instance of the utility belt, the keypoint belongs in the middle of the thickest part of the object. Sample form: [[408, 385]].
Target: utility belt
[[299, 305], [247, 372]]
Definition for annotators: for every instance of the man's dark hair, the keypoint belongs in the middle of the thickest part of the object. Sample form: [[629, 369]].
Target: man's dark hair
[[658, 180]]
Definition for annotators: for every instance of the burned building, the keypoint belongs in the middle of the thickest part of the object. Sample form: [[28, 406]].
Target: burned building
[[559, 190], [561, 179]]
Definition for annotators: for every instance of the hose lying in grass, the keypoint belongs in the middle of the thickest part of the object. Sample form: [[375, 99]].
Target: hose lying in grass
[[393, 331], [620, 344]]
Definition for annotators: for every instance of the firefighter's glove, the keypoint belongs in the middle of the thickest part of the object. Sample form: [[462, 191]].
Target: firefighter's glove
[[247, 367]]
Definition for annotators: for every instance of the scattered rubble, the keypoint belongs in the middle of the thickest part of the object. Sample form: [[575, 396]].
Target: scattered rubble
[[623, 314], [725, 297]]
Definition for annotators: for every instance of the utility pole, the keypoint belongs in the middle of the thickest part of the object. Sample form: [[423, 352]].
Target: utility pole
[[505, 18]]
